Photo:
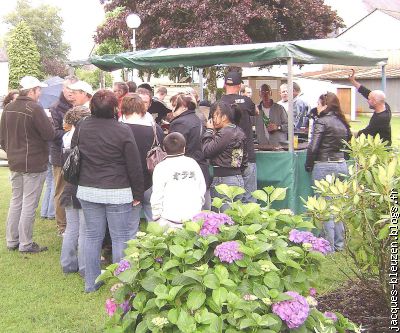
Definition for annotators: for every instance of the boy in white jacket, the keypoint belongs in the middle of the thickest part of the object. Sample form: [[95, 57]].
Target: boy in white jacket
[[178, 185]]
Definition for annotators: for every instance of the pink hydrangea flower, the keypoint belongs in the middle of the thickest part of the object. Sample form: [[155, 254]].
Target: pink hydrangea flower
[[212, 222], [293, 312], [313, 292], [111, 306], [228, 252], [122, 266]]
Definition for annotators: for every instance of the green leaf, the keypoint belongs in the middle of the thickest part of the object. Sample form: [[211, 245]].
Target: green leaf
[[150, 282], [247, 322], [154, 228], [139, 300], [192, 226], [217, 202], [204, 317], [195, 299], [272, 280], [173, 292], [173, 315], [145, 264], [142, 327], [254, 269], [260, 195], [260, 290], [161, 290], [177, 250], [170, 264], [230, 191], [186, 323], [211, 281], [281, 255], [278, 194], [384, 232], [219, 296], [221, 272], [269, 189]]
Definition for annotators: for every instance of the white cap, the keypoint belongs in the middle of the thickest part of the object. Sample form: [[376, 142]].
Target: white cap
[[29, 82], [82, 85]]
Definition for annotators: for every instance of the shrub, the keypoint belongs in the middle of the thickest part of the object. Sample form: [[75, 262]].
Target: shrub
[[244, 271], [363, 202]]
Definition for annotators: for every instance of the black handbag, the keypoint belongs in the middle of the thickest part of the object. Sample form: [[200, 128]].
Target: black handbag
[[71, 167], [156, 154]]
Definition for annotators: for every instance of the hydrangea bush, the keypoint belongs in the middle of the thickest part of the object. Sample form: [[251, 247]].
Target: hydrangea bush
[[249, 270]]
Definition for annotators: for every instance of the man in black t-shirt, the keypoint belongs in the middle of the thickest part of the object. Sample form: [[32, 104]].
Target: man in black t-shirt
[[380, 120], [233, 81], [156, 108]]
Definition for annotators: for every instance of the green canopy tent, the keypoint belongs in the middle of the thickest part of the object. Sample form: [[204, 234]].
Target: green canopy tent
[[278, 168], [319, 51]]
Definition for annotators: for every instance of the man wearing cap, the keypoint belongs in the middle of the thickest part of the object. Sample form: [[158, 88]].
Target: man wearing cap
[[233, 81], [272, 121], [82, 93], [24, 132], [58, 111]]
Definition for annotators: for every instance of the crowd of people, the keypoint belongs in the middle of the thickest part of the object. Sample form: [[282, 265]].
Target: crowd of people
[[114, 131]]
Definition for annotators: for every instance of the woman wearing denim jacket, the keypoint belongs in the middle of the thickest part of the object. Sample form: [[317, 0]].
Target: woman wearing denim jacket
[[325, 155]]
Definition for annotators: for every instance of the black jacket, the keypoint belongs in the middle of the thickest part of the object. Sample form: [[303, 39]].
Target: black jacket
[[110, 158], [190, 126], [327, 140], [158, 110], [226, 149], [58, 111], [248, 109], [379, 122]]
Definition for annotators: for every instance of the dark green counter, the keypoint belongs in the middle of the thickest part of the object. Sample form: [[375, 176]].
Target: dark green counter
[[284, 169]]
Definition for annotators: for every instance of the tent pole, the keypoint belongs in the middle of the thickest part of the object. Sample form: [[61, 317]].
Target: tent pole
[[383, 83], [290, 103], [201, 84]]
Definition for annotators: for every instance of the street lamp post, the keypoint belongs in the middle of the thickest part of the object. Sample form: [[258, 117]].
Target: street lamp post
[[133, 21]]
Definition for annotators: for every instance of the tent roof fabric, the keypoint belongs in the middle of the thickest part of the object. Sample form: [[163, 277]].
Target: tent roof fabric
[[319, 51]]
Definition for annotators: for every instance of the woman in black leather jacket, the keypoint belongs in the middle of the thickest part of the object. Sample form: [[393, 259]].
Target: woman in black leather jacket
[[325, 155]]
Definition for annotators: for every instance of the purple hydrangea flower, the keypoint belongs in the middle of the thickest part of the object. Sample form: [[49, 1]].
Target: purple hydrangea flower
[[313, 292], [330, 315], [321, 245], [293, 312], [228, 252], [317, 244], [125, 306], [122, 266], [212, 222], [159, 260], [297, 236]]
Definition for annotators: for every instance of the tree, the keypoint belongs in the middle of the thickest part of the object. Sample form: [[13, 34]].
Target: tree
[[46, 27], [23, 55], [93, 77], [209, 22]]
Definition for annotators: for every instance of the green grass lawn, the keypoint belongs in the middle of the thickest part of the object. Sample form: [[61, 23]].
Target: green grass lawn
[[36, 297], [362, 122]]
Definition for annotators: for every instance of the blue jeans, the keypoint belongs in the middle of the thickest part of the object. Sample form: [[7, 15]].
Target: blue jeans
[[332, 231], [250, 182], [145, 205], [47, 209], [228, 180], [122, 226], [73, 245]]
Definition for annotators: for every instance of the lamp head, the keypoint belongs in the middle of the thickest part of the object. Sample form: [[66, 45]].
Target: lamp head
[[133, 21]]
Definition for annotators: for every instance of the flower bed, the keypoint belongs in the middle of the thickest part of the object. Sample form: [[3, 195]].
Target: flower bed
[[251, 270]]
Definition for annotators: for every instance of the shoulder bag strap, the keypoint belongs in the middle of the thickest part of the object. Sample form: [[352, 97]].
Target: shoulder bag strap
[[155, 139]]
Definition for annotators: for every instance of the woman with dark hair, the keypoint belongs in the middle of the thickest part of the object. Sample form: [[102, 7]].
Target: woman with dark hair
[[224, 144], [110, 181], [187, 123], [10, 97], [134, 115], [325, 154]]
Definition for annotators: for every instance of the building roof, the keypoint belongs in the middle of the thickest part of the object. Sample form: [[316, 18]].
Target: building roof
[[361, 73], [3, 55]]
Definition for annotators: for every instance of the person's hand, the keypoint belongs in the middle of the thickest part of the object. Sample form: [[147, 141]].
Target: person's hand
[[272, 127], [210, 124], [352, 75], [67, 127], [135, 203]]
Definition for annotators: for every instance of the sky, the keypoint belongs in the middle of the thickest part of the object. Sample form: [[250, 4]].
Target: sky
[[81, 17]]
